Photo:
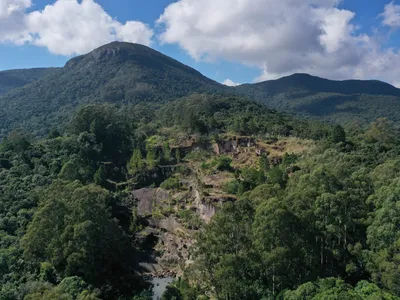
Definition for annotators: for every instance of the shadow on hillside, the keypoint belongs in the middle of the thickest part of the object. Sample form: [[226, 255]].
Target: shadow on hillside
[[329, 106]]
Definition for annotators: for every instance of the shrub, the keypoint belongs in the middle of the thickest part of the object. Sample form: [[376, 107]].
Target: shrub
[[171, 183], [190, 219], [231, 187]]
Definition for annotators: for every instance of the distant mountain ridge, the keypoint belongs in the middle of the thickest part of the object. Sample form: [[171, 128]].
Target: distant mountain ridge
[[301, 82], [337, 101], [12, 79], [125, 73]]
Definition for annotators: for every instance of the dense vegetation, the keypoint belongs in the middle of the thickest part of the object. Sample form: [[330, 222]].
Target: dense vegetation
[[319, 226], [316, 224], [124, 73], [341, 102], [17, 78], [65, 233], [116, 73], [57, 225], [335, 218]]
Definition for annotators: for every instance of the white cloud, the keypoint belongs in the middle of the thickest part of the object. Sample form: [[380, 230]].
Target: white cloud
[[134, 32], [278, 37], [391, 15], [10, 7], [69, 27], [229, 82], [13, 20]]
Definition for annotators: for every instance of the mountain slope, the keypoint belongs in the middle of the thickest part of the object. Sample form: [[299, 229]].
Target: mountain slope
[[117, 73], [125, 73], [323, 99], [12, 79]]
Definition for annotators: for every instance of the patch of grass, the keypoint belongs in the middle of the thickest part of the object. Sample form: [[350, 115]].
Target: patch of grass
[[220, 163]]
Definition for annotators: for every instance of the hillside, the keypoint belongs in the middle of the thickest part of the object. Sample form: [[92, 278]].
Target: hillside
[[96, 211], [328, 100], [221, 191], [116, 73], [12, 79], [125, 74]]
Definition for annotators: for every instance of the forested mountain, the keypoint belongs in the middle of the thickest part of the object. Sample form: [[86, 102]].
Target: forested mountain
[[12, 79], [338, 101], [115, 73], [125, 73], [303, 83]]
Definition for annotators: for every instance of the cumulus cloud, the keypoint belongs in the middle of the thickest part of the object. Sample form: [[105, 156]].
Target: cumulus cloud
[[9, 7], [279, 37], [13, 20], [68, 27], [391, 15], [229, 82]]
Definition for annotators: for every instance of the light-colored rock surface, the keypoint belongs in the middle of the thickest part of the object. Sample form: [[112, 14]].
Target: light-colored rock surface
[[149, 198]]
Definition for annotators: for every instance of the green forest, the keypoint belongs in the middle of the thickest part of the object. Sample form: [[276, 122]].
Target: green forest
[[312, 215], [12, 79], [39, 100], [342, 102], [127, 175]]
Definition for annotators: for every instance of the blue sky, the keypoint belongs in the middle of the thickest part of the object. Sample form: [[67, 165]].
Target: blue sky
[[251, 40]]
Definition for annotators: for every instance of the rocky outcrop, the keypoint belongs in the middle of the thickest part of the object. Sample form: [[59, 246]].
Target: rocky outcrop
[[169, 224], [149, 198], [175, 249], [169, 241], [233, 145], [206, 210], [171, 250]]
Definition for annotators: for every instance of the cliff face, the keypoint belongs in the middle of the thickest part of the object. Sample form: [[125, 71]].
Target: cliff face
[[172, 217]]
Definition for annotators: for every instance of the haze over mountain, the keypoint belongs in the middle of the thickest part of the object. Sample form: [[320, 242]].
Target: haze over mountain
[[124, 73]]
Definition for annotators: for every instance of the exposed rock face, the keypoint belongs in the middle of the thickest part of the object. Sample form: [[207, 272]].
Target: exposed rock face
[[169, 224], [175, 251], [172, 239], [172, 247], [226, 147], [233, 145], [149, 198], [206, 210]]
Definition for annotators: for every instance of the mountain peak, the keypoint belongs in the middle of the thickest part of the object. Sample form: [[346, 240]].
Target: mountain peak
[[301, 75], [120, 50], [121, 53], [127, 73], [121, 45], [114, 73]]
